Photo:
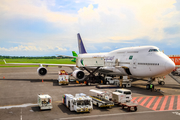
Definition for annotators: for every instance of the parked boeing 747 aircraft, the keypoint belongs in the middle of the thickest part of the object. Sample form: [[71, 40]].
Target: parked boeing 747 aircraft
[[136, 62]]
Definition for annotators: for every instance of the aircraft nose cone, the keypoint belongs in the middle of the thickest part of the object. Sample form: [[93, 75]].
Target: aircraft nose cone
[[170, 66]]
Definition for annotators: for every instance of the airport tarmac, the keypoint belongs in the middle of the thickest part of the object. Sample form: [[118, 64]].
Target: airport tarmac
[[19, 88]]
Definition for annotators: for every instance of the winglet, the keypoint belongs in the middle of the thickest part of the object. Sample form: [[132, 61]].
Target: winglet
[[82, 50], [4, 61]]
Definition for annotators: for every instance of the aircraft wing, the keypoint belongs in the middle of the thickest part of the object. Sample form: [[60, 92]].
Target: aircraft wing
[[42, 64]]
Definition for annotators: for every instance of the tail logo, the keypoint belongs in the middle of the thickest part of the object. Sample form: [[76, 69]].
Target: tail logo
[[82, 62]]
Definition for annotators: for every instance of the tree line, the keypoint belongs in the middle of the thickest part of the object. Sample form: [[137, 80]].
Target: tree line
[[39, 57]]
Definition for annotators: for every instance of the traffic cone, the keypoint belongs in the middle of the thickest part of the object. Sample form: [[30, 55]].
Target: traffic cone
[[3, 77], [42, 80]]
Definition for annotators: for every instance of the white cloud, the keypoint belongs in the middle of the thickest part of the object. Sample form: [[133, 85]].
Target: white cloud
[[127, 20], [108, 21], [32, 48], [115, 19], [87, 14], [34, 10]]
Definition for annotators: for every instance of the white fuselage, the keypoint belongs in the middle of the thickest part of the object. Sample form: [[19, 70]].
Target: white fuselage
[[145, 61]]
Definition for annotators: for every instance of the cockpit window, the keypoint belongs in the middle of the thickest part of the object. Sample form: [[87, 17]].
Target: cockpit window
[[153, 50]]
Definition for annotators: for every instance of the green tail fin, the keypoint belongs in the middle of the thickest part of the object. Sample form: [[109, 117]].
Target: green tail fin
[[75, 55]]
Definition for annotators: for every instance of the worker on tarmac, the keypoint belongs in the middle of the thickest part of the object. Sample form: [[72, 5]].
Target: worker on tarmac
[[152, 87]]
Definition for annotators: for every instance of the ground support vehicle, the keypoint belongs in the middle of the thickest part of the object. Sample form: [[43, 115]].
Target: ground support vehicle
[[106, 86], [176, 71], [63, 78], [130, 105], [79, 103], [123, 98], [44, 101], [125, 82], [101, 99], [111, 81]]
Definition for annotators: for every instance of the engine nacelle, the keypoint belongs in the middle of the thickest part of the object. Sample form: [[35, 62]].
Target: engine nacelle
[[42, 71], [78, 74]]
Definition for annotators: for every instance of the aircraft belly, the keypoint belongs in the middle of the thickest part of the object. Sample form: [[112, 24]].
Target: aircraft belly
[[147, 71], [109, 70], [113, 71]]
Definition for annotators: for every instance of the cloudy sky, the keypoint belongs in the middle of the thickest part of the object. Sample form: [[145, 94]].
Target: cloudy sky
[[50, 27]]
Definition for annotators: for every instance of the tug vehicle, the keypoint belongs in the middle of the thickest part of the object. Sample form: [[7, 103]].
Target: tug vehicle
[[44, 101], [79, 103], [63, 78], [176, 71]]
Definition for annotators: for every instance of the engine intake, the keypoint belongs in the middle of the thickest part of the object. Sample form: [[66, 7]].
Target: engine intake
[[42, 71], [78, 74]]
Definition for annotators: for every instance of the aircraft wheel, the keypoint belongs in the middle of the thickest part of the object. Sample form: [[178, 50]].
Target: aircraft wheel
[[147, 86], [87, 83], [162, 83], [159, 82]]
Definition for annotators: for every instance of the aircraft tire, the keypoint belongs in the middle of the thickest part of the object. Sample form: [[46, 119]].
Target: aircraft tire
[[159, 82], [147, 86], [162, 83], [87, 83]]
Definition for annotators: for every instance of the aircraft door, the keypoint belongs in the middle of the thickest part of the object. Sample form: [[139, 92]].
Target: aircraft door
[[134, 63]]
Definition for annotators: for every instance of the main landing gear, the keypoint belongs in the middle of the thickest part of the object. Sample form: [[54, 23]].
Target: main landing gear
[[150, 85], [91, 77]]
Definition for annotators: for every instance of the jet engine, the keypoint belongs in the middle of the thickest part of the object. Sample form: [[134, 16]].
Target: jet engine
[[78, 74], [42, 71]]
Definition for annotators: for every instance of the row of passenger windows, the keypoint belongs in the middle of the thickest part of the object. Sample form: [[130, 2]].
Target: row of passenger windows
[[151, 50], [148, 63]]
